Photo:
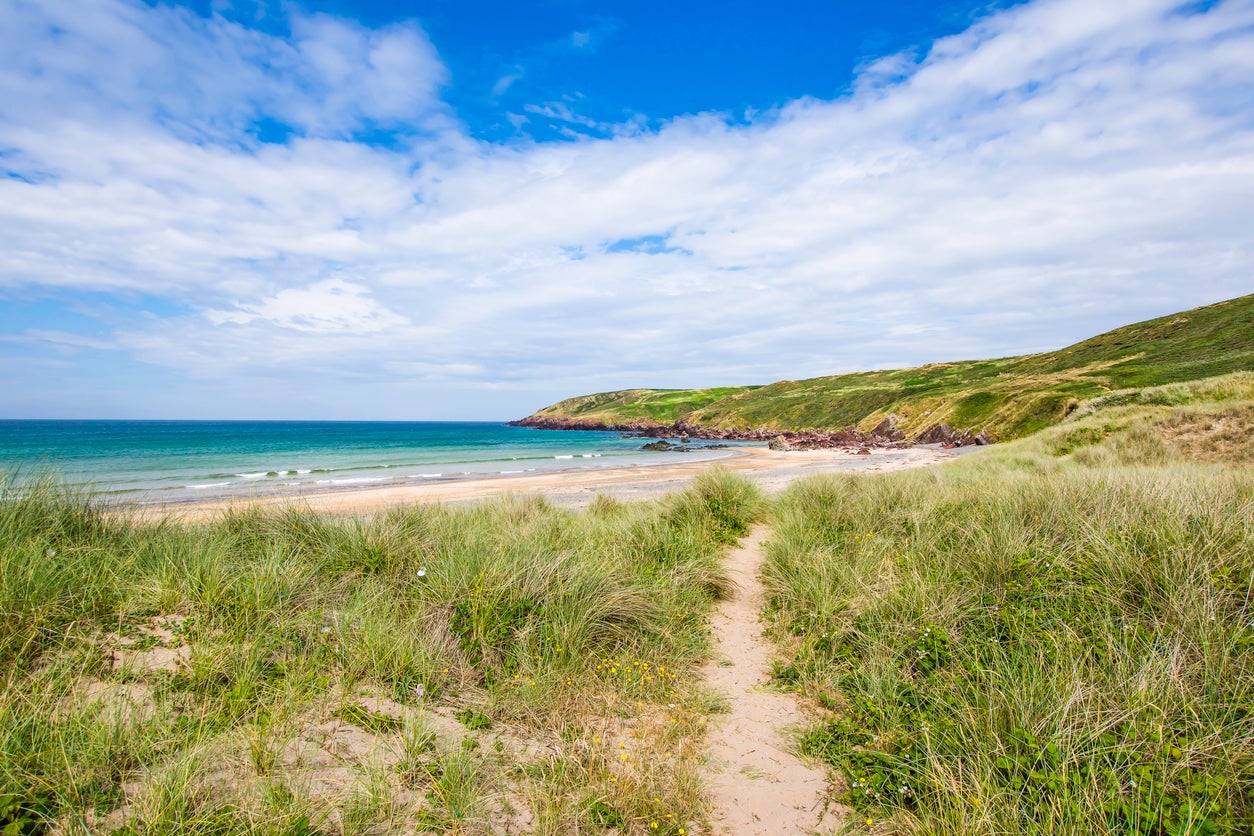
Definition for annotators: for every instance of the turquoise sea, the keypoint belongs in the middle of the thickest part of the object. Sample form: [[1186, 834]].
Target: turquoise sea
[[150, 462]]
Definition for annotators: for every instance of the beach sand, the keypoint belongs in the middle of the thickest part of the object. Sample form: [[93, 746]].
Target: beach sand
[[770, 470]]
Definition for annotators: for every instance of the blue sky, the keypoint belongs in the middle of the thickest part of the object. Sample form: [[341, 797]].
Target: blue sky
[[444, 210]]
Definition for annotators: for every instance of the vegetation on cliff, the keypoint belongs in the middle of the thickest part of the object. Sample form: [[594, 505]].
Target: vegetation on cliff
[[1006, 398], [631, 408]]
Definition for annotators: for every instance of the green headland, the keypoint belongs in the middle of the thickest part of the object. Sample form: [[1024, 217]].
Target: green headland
[[1006, 398]]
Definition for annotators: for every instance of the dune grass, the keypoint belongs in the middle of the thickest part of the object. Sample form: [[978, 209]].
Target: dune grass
[[506, 667], [1051, 637]]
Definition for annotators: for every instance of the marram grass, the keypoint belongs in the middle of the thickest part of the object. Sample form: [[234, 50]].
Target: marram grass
[[1022, 644], [1053, 636], [511, 666]]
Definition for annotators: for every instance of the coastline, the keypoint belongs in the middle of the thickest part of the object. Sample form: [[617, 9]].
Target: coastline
[[771, 470], [887, 435]]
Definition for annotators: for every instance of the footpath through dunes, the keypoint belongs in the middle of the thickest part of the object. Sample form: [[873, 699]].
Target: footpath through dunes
[[757, 785]]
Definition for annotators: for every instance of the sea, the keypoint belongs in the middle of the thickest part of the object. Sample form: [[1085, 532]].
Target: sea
[[163, 462]]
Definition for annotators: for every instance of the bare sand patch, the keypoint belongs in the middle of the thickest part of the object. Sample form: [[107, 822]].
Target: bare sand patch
[[153, 647], [757, 785]]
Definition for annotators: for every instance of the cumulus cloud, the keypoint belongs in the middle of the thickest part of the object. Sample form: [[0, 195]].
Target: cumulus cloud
[[202, 79], [331, 306], [1057, 169]]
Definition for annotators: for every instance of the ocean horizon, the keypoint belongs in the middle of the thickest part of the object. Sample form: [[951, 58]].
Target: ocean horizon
[[146, 462]]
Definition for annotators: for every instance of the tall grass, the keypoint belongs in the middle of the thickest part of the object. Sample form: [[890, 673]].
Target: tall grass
[[1235, 387], [183, 678], [1018, 644]]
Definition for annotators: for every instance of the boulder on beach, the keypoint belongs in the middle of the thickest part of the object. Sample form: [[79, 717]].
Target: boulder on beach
[[888, 429], [946, 435]]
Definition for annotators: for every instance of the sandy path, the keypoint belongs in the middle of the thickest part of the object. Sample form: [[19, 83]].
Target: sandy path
[[757, 785]]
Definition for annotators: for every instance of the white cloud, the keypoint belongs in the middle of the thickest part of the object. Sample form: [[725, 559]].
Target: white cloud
[[1057, 169], [506, 81], [331, 306]]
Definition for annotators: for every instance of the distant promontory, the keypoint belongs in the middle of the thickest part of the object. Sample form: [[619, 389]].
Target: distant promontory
[[954, 403]]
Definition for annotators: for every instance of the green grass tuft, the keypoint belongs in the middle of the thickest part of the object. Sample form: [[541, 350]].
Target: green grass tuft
[[184, 678], [1022, 644]]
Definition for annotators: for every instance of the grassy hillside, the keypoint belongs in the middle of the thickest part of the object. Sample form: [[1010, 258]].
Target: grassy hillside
[[643, 407], [1009, 397]]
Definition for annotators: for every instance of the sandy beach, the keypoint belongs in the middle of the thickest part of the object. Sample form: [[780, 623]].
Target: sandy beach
[[771, 470]]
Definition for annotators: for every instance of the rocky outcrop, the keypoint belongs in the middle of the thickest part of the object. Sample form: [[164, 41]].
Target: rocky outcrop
[[887, 434], [948, 436], [540, 422], [888, 430]]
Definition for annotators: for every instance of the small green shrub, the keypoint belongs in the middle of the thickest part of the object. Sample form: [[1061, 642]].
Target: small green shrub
[[371, 721]]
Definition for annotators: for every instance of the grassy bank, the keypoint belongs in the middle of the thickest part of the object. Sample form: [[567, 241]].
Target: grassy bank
[[1009, 397], [1051, 637], [637, 407], [505, 668]]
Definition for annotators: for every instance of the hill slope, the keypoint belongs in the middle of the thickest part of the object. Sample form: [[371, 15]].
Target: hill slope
[[1008, 398], [630, 408]]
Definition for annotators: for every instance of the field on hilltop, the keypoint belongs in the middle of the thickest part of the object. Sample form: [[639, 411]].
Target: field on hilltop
[[1008, 397], [636, 408]]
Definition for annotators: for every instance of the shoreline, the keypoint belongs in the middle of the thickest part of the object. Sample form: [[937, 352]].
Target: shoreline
[[130, 500], [771, 470]]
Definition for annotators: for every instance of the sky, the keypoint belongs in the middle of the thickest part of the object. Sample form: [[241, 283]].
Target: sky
[[466, 210]]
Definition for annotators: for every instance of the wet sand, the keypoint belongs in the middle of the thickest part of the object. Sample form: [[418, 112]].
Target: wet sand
[[770, 470]]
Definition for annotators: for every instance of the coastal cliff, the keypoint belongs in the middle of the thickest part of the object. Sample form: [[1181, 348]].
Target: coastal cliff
[[886, 434], [955, 403]]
